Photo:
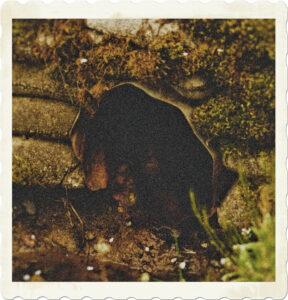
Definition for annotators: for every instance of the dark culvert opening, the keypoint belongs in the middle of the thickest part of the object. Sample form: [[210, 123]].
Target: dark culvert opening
[[145, 153]]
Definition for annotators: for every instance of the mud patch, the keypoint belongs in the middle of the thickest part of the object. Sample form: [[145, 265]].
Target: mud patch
[[46, 238]]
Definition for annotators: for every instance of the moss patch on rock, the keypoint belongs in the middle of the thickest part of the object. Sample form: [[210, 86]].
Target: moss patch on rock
[[236, 56]]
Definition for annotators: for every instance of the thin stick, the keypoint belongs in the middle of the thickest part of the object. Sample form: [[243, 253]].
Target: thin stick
[[80, 221], [64, 200]]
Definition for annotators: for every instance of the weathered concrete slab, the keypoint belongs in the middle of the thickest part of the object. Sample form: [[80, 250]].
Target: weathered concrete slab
[[45, 163], [33, 80], [42, 117]]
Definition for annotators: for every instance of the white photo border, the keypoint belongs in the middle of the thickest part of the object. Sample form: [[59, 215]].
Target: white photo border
[[142, 290]]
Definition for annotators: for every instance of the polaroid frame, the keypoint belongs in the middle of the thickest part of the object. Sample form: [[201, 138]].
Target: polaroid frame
[[142, 290]]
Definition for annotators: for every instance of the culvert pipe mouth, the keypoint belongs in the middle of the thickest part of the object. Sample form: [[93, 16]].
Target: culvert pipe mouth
[[145, 152]]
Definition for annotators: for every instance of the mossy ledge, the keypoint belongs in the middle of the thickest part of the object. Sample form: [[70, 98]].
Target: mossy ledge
[[237, 57]]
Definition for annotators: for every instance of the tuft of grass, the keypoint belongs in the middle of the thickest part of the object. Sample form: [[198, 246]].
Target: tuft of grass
[[248, 255], [255, 261], [175, 235]]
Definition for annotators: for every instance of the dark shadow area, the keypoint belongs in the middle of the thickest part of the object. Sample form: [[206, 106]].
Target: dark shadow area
[[140, 158], [151, 153]]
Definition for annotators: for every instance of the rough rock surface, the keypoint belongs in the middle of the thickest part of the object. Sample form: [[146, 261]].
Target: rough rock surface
[[235, 208], [136, 29], [194, 87], [44, 163], [42, 117], [239, 206], [253, 166], [33, 80]]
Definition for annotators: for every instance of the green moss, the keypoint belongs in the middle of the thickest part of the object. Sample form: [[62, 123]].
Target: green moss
[[22, 171], [237, 57]]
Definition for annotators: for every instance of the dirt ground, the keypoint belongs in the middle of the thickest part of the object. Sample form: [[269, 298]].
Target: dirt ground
[[79, 235]]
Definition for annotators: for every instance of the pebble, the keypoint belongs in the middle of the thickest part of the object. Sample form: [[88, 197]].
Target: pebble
[[29, 207], [129, 223], [26, 277], [28, 240], [111, 240], [102, 247], [204, 245], [83, 60], [90, 235], [182, 265], [173, 260], [33, 237], [90, 268], [145, 277], [38, 272], [147, 249], [190, 251]]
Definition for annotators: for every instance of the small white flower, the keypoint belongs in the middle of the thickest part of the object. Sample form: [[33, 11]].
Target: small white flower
[[90, 268], [220, 50], [173, 260], [182, 265], [111, 240], [26, 277], [185, 53], [225, 261], [147, 249], [239, 247], [235, 247], [83, 60], [245, 231], [38, 272]]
